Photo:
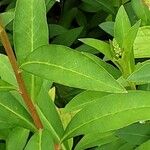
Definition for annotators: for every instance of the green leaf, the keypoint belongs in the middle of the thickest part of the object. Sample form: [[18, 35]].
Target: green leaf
[[121, 26], [26, 30], [86, 48], [17, 139], [142, 44], [142, 74], [105, 5], [41, 140], [127, 146], [68, 17], [144, 146], [13, 112], [134, 134], [49, 4], [83, 99], [81, 18], [89, 8], [49, 114], [108, 27], [70, 37], [4, 124], [96, 19], [123, 110], [2, 146], [144, 13], [128, 64], [64, 94], [115, 145], [99, 45], [6, 17], [55, 30], [108, 67], [130, 37], [27, 36], [6, 71], [65, 66], [4, 86], [95, 139], [4, 133]]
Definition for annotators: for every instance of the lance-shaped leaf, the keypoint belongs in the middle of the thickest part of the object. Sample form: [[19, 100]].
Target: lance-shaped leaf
[[55, 30], [6, 17], [26, 30], [108, 67], [70, 37], [144, 146], [41, 140], [123, 110], [65, 66], [115, 145], [102, 4], [135, 134], [141, 10], [6, 71], [95, 139], [99, 45], [4, 86], [142, 74], [108, 27], [141, 43], [27, 36], [130, 37], [13, 112], [83, 99], [4, 133], [49, 4], [121, 26], [17, 139], [49, 115], [4, 124]]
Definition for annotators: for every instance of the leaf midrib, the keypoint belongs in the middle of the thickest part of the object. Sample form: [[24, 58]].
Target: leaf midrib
[[7, 87], [110, 114], [40, 139], [18, 115], [67, 69], [32, 48], [51, 127]]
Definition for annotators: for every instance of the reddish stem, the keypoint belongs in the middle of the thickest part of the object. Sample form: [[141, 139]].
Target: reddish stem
[[6, 43]]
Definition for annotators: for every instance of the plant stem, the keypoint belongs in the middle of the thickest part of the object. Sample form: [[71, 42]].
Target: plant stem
[[22, 89]]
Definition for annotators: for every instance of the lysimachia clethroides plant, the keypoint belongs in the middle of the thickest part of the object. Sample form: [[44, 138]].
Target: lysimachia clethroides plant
[[111, 110]]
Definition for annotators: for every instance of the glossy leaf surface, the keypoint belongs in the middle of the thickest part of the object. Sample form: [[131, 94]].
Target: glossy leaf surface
[[65, 66], [123, 110]]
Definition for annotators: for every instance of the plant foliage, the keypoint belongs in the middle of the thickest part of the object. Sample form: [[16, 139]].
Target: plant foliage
[[74, 75]]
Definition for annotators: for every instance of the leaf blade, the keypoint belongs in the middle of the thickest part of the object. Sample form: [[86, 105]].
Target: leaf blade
[[40, 141], [121, 26], [141, 75], [100, 114], [99, 45], [17, 139], [13, 113], [27, 37], [70, 72]]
